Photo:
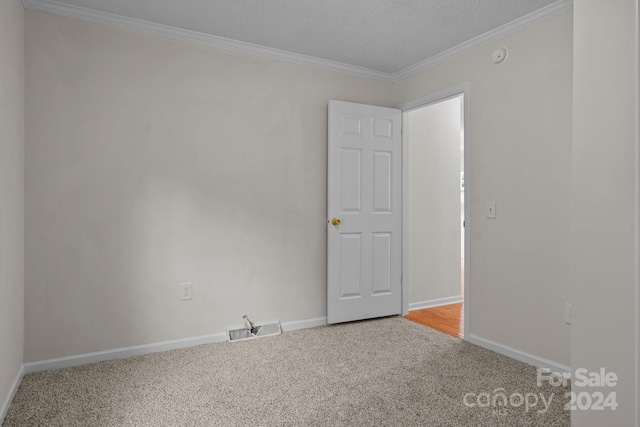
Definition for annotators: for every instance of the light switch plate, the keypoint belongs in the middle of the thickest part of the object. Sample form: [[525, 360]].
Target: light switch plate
[[491, 210]]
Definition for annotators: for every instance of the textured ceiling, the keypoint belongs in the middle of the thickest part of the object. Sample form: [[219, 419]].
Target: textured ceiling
[[381, 35]]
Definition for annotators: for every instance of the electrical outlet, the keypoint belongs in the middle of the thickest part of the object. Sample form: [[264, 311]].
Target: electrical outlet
[[185, 291], [568, 313]]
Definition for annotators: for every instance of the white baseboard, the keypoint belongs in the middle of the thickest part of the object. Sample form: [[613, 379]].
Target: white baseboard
[[125, 352], [294, 325], [138, 350], [12, 392], [120, 353], [435, 302], [513, 353]]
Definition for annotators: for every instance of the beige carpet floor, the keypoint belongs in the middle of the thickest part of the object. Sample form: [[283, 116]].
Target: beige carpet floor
[[384, 372]]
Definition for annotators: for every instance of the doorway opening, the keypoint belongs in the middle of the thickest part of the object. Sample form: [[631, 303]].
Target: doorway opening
[[436, 245]]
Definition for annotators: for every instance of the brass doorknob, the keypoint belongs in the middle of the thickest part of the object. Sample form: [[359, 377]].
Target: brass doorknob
[[335, 221]]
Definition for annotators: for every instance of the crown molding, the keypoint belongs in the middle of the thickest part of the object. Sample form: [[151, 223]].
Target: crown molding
[[72, 11], [512, 27]]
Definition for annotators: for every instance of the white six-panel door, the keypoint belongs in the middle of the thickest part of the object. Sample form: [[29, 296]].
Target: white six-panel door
[[364, 212]]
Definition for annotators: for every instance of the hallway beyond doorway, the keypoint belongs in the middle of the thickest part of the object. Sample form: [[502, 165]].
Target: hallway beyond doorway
[[446, 318]]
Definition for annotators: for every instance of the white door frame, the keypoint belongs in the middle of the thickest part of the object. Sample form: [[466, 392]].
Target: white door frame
[[443, 95]]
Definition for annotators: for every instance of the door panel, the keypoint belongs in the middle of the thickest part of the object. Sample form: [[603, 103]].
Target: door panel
[[350, 191], [364, 193], [382, 181], [350, 265], [382, 261]]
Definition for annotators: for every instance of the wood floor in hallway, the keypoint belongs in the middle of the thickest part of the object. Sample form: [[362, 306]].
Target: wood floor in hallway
[[446, 318]]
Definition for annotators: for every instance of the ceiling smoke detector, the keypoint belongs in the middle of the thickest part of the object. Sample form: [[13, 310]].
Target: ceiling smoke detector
[[499, 55]]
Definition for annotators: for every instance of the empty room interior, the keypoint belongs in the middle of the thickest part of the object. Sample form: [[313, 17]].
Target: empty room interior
[[137, 155]]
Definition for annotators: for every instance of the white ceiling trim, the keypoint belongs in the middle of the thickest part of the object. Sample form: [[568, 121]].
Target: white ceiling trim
[[85, 14], [519, 24], [72, 11]]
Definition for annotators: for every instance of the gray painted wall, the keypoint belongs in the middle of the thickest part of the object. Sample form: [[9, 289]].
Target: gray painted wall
[[519, 151], [604, 191], [152, 162], [11, 196]]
